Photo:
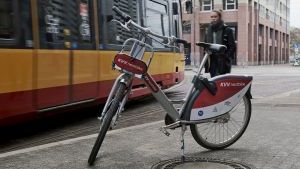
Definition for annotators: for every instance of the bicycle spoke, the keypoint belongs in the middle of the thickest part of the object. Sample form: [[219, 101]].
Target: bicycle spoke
[[229, 129], [224, 131], [237, 122], [209, 130], [219, 132], [207, 127], [215, 136], [236, 125], [235, 108]]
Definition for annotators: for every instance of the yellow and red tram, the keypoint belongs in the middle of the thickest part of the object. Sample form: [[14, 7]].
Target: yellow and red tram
[[58, 53]]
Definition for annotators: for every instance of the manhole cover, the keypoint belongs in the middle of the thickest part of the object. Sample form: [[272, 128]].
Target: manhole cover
[[200, 163]]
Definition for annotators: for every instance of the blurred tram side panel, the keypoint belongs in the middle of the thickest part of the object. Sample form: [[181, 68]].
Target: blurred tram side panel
[[56, 54]]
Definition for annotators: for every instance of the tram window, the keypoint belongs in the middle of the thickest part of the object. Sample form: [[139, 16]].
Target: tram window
[[85, 31], [157, 19], [176, 19], [112, 35], [15, 25], [176, 22], [66, 24], [26, 38], [7, 30]]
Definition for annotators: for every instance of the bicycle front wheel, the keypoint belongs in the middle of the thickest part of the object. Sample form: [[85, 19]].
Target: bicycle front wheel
[[112, 110], [223, 131]]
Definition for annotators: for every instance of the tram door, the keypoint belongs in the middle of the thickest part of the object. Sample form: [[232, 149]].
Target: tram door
[[67, 63]]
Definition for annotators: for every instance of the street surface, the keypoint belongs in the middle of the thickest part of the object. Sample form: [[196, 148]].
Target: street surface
[[272, 140]]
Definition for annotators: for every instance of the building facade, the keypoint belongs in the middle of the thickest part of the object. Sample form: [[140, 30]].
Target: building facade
[[261, 28]]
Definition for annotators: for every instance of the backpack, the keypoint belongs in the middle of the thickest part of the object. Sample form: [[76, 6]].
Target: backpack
[[226, 33]]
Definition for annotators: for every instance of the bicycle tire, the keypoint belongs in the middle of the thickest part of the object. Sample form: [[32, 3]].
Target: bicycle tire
[[112, 110], [215, 146]]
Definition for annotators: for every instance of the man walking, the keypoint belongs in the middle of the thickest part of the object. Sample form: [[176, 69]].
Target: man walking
[[219, 33]]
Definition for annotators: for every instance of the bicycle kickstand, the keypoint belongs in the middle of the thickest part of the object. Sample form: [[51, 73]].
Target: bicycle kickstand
[[183, 130]]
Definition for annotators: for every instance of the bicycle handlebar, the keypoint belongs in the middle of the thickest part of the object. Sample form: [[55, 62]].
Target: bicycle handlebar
[[121, 14], [177, 40], [128, 20]]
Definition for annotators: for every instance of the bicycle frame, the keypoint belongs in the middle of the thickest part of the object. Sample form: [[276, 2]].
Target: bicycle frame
[[206, 100], [137, 53], [132, 65]]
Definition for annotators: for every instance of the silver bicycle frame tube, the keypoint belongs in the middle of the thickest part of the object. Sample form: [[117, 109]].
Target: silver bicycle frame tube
[[164, 100], [112, 92], [137, 51], [123, 78], [191, 89]]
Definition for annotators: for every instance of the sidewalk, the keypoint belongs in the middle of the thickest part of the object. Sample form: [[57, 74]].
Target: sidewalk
[[191, 67], [272, 141]]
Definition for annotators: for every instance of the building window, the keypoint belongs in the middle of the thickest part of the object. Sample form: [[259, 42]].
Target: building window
[[230, 4], [206, 5], [267, 14], [271, 33], [186, 27], [261, 30], [262, 11], [188, 6]]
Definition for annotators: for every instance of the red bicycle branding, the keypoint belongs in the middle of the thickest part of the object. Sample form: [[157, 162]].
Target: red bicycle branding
[[151, 83], [227, 87], [130, 64], [230, 84]]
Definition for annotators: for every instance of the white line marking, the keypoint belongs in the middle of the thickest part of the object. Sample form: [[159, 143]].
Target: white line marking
[[73, 140]]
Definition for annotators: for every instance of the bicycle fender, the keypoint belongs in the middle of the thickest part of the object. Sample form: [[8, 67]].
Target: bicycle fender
[[230, 90]]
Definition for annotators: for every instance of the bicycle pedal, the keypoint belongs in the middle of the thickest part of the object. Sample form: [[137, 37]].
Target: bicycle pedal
[[164, 131]]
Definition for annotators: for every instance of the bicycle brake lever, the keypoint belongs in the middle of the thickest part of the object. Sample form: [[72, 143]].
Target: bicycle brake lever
[[171, 41], [123, 25]]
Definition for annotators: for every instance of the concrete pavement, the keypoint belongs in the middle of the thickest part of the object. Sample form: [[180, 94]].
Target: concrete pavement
[[272, 141]]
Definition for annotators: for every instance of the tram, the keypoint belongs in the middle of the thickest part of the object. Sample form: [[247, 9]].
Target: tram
[[57, 54]]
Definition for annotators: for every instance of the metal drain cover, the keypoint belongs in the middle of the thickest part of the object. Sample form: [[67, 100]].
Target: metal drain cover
[[200, 163]]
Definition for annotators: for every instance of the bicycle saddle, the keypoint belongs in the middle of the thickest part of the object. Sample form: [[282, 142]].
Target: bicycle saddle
[[212, 47]]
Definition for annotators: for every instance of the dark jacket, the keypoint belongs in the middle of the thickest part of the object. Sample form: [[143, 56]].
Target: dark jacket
[[220, 63]]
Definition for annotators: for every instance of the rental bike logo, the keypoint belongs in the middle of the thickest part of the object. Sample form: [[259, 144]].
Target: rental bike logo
[[130, 65], [230, 84]]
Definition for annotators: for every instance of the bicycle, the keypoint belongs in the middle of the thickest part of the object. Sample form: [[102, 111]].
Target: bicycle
[[209, 106]]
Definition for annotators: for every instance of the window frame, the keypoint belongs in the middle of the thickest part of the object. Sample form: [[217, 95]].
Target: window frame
[[202, 6], [168, 14], [92, 43], [162, 2], [79, 43], [13, 42], [103, 44], [141, 19], [186, 27], [232, 3]]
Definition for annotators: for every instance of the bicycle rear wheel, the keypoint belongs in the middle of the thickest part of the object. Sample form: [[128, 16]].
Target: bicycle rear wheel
[[223, 131], [104, 126]]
